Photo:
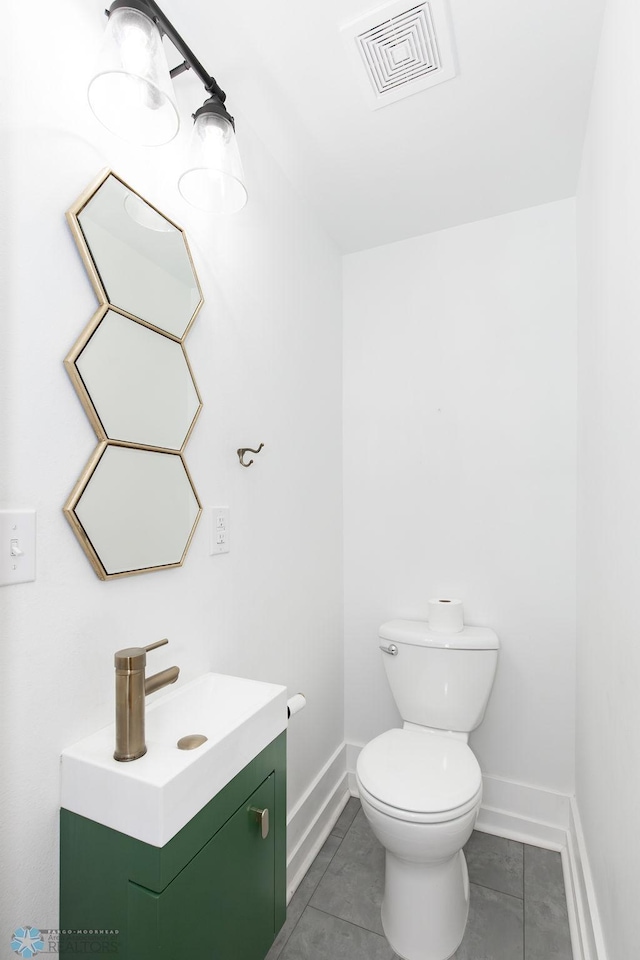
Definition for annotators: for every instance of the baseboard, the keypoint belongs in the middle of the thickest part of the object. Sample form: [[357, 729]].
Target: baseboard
[[353, 749], [519, 811], [313, 817], [542, 818], [581, 889]]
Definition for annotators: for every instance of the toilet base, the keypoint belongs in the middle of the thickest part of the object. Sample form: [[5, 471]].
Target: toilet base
[[425, 906]]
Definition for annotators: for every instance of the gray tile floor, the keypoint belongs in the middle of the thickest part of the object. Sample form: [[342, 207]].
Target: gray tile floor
[[518, 906]]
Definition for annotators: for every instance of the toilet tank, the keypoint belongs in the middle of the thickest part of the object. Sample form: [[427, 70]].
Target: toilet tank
[[440, 680]]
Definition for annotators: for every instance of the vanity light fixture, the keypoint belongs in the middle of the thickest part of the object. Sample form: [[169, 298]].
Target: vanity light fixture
[[132, 96]]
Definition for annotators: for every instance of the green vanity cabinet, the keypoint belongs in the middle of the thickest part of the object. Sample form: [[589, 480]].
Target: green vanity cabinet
[[215, 891], [240, 895]]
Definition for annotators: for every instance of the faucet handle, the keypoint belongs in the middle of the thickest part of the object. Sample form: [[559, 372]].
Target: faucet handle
[[158, 643], [135, 658]]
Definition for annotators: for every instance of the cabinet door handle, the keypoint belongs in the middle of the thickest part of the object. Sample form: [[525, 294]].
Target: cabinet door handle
[[262, 816]]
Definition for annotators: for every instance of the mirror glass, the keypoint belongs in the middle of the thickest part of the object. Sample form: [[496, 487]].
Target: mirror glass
[[141, 258], [137, 510], [137, 382]]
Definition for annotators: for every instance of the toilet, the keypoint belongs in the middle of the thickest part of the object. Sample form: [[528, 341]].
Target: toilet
[[421, 785]]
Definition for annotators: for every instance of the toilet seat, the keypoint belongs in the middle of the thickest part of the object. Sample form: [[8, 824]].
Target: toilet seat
[[419, 776], [409, 816]]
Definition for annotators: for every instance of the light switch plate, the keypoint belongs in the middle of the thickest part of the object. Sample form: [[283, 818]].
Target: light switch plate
[[17, 546], [219, 531]]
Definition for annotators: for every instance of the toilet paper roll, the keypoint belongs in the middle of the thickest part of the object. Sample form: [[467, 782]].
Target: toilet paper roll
[[296, 703], [446, 616]]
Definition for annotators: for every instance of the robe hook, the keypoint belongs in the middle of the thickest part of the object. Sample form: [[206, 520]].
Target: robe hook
[[242, 450]]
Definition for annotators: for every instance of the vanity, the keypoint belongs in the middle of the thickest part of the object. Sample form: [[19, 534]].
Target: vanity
[[181, 852]]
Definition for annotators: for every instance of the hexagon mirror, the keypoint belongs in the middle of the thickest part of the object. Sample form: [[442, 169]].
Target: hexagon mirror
[[138, 260], [134, 510], [136, 384]]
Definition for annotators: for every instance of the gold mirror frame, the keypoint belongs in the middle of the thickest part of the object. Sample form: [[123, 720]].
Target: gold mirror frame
[[93, 407], [107, 562], [73, 219], [83, 531]]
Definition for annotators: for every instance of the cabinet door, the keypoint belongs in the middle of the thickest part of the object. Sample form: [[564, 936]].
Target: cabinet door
[[221, 906]]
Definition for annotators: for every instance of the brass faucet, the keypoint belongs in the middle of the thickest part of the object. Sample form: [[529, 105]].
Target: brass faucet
[[131, 689]]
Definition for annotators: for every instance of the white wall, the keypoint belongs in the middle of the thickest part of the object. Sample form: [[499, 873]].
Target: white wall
[[459, 461], [608, 704], [266, 352]]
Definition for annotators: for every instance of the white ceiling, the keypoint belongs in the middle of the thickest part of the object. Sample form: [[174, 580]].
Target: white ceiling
[[506, 133]]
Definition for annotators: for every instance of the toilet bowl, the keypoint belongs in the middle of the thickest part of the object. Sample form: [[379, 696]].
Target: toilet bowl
[[421, 793], [421, 785]]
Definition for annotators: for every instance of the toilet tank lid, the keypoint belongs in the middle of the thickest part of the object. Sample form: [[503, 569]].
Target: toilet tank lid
[[418, 633]]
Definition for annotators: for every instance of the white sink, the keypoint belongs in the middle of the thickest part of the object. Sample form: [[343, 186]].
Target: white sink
[[154, 797]]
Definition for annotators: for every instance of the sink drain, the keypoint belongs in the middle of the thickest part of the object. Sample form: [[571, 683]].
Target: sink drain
[[191, 742]]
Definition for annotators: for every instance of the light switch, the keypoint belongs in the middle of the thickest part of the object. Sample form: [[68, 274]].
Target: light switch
[[17, 546], [219, 530]]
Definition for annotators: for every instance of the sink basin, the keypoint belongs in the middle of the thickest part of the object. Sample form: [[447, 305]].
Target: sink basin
[[152, 798]]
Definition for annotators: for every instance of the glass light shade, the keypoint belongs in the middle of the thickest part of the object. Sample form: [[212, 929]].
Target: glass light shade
[[214, 180], [132, 94]]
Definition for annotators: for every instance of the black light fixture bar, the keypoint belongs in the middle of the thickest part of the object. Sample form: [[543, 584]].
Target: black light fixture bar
[[165, 26]]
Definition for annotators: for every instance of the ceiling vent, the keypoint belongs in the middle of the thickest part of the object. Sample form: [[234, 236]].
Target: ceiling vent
[[403, 50]]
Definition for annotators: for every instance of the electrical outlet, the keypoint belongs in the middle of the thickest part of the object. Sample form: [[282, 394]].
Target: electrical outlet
[[219, 530]]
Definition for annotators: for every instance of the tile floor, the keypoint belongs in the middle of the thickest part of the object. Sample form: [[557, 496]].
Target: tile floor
[[518, 906]]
